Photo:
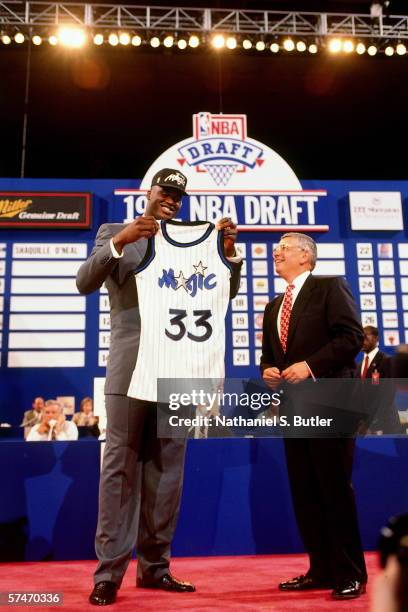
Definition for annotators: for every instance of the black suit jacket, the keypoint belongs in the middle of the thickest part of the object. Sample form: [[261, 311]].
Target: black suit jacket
[[324, 329], [382, 414]]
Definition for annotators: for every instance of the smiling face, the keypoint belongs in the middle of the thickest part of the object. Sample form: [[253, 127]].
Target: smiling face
[[163, 202], [290, 258]]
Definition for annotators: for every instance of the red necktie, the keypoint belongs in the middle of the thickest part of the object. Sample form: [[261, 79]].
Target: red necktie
[[365, 368], [285, 316]]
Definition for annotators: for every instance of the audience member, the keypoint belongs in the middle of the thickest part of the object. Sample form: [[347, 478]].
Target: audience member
[[85, 418], [53, 425], [32, 416], [375, 371]]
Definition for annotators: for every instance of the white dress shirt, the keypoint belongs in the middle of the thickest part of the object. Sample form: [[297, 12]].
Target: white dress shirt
[[69, 432], [370, 356], [299, 281]]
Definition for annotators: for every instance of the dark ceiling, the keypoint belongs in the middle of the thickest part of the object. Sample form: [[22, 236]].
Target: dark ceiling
[[105, 112]]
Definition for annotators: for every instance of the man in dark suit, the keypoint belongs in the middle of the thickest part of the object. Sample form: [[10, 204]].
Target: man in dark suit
[[141, 478], [313, 332], [379, 391]]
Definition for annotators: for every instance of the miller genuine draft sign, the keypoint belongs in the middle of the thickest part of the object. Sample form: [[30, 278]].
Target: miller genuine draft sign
[[23, 209]]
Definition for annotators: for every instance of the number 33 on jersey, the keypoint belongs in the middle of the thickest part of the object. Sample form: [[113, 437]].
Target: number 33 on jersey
[[183, 288]]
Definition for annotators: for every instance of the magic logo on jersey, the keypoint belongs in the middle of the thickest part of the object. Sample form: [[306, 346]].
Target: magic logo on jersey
[[191, 284]]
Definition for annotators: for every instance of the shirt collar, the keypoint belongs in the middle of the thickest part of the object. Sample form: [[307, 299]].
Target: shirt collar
[[371, 354], [300, 280]]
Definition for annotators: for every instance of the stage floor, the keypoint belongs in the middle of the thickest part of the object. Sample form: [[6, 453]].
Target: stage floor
[[223, 583]]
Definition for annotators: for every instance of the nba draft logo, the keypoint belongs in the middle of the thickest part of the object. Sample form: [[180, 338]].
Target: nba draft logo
[[233, 175], [220, 147], [191, 284]]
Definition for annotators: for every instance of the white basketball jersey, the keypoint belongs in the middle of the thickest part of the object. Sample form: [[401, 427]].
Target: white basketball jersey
[[183, 289]]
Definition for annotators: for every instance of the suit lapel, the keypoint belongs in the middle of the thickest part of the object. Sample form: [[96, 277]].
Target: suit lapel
[[298, 307], [274, 326]]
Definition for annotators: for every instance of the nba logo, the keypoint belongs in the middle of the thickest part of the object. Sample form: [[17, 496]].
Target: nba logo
[[204, 124]]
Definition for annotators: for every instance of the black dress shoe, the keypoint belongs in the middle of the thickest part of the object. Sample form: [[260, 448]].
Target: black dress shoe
[[349, 589], [167, 583], [104, 593], [304, 583]]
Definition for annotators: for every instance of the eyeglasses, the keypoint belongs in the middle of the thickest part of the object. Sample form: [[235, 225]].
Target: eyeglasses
[[285, 247]]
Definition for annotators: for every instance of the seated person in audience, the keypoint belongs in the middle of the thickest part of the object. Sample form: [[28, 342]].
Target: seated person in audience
[[53, 425], [32, 416], [86, 418]]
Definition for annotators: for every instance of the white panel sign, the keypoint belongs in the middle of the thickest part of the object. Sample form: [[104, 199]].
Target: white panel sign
[[19, 340], [46, 359], [45, 268], [387, 284], [2, 267], [104, 339], [43, 285], [386, 268], [240, 338], [103, 358], [260, 267], [391, 337], [260, 301], [243, 287], [369, 318], [240, 302], [366, 284], [376, 210], [403, 268], [104, 321], [2, 250], [240, 357], [390, 319], [104, 305], [51, 303], [28, 322], [329, 268], [389, 302], [365, 267], [259, 250], [368, 302], [240, 321], [1, 285], [1, 303], [37, 250], [260, 285], [364, 250], [403, 250], [330, 250]]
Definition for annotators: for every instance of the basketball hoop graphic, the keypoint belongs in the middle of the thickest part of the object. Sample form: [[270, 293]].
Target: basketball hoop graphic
[[221, 173]]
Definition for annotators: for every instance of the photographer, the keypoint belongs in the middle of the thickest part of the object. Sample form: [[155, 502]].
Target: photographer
[[390, 592]]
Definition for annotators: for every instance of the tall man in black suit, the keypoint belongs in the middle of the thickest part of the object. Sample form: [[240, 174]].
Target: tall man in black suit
[[376, 371], [312, 331]]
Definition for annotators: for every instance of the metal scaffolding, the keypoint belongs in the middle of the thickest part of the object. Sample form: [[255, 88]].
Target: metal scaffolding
[[42, 16]]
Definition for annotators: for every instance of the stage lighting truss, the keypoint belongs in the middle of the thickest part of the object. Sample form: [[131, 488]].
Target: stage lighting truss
[[162, 28]]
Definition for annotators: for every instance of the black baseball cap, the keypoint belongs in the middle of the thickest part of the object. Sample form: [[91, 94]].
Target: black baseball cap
[[169, 177]]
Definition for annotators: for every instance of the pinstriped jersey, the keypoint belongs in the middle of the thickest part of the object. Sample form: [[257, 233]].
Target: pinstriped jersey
[[183, 290]]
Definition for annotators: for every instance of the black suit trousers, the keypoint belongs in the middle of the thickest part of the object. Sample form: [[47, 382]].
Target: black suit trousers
[[323, 498]]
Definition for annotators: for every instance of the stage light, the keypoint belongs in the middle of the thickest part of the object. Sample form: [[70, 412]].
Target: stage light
[[98, 39], [231, 42], [168, 42], [155, 42], [194, 41], [335, 45], [260, 45], [274, 47], [136, 41], [218, 41], [124, 38], [182, 44], [401, 49], [72, 37], [5, 39], [288, 44], [348, 46], [312, 48], [389, 51], [301, 46], [36, 40], [113, 40], [372, 50], [19, 38], [247, 44], [360, 49], [53, 40]]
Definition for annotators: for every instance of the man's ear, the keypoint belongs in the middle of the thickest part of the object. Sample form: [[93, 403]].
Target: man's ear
[[148, 193]]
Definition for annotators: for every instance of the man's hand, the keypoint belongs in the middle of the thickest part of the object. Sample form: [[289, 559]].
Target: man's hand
[[296, 373], [230, 235], [272, 377], [141, 227]]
